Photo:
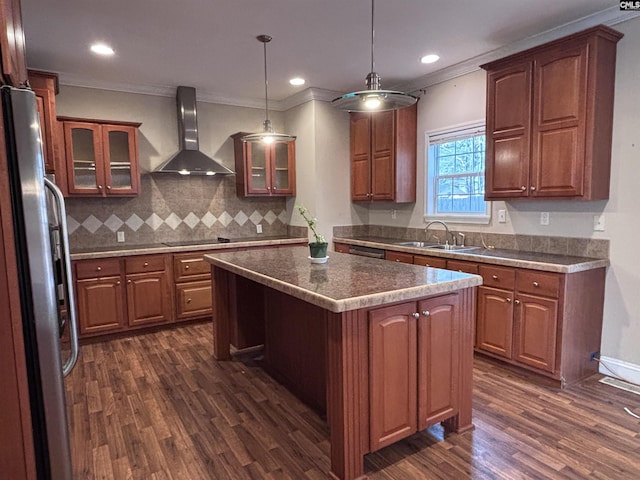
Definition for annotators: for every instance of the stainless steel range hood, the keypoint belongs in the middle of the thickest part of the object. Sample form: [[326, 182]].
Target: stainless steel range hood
[[190, 160]]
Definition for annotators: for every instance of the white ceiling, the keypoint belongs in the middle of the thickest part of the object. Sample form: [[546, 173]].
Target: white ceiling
[[211, 45]]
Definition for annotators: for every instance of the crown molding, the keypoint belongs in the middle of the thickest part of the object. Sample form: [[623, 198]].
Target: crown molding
[[610, 16]]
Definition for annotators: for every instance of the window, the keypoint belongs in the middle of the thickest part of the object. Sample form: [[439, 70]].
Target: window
[[455, 175]]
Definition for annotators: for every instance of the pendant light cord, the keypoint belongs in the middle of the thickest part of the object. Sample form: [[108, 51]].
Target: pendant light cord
[[266, 95], [372, 34]]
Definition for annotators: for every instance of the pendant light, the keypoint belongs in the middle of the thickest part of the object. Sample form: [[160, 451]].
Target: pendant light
[[373, 98], [267, 135]]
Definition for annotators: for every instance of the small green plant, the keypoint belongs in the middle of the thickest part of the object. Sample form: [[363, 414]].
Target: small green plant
[[312, 222]]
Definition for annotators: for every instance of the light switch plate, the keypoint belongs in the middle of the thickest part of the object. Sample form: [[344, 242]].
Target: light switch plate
[[544, 218], [598, 223], [502, 216]]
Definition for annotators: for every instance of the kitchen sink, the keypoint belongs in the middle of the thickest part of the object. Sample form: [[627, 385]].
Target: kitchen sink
[[435, 246], [414, 244]]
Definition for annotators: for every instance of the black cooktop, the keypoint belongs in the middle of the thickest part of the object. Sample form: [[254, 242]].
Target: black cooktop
[[204, 241]]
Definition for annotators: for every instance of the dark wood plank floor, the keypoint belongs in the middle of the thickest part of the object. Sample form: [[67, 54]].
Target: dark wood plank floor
[[157, 406]]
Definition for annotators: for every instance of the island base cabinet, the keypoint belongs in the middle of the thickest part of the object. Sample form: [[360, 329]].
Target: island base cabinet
[[414, 362], [100, 305]]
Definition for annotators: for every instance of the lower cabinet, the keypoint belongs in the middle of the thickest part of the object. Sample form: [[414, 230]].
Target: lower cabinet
[[414, 354], [149, 299], [192, 276]]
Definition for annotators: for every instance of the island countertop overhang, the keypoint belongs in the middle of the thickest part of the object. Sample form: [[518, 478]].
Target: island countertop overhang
[[345, 282]]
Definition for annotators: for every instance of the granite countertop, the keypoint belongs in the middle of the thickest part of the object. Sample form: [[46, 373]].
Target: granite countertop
[[128, 250], [512, 258], [345, 282]]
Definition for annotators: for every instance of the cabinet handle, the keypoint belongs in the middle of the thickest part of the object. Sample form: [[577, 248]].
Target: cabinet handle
[[532, 188], [509, 300], [146, 264], [108, 187], [99, 187], [523, 188], [517, 302], [495, 277], [118, 282], [186, 267], [274, 188], [416, 315], [426, 313], [128, 281], [99, 269], [536, 284], [188, 300]]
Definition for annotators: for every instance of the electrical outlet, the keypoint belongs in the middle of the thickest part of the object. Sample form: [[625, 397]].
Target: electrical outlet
[[394, 214], [120, 236], [598, 223], [544, 218], [502, 216], [258, 228]]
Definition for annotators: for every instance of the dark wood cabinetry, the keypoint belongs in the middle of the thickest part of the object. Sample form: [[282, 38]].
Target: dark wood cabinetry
[[413, 367], [45, 86], [398, 256], [101, 157], [192, 275], [383, 155], [264, 169], [149, 299], [12, 46], [550, 117], [425, 261]]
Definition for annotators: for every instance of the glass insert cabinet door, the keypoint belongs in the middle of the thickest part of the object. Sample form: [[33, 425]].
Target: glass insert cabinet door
[[257, 155], [101, 159], [283, 172]]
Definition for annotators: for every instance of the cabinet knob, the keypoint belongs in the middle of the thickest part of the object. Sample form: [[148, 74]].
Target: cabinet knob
[[146, 264], [186, 267], [188, 300], [509, 300], [108, 187], [517, 302], [532, 188], [523, 188], [99, 269], [397, 259], [416, 315], [274, 188], [426, 313], [128, 281], [118, 282], [495, 277], [99, 187], [536, 284]]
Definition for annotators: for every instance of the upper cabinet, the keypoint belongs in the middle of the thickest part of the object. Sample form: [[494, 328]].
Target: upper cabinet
[[383, 155], [264, 169], [12, 49], [550, 117], [45, 86], [101, 157]]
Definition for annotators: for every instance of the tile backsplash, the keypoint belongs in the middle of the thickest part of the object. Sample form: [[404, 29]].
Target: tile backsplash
[[581, 247], [173, 208]]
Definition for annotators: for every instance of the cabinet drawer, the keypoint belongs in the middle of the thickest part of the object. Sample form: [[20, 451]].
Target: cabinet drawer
[[191, 266], [341, 247], [398, 257], [538, 283], [97, 268], [434, 262], [499, 277], [466, 267], [193, 299], [147, 263]]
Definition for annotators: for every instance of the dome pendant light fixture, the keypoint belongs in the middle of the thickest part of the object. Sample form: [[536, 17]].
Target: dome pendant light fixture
[[267, 135], [373, 98]]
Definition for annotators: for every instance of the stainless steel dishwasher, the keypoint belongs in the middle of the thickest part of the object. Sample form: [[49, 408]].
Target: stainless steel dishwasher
[[366, 251]]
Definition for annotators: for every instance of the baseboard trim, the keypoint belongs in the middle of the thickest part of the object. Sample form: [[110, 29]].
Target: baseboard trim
[[626, 371]]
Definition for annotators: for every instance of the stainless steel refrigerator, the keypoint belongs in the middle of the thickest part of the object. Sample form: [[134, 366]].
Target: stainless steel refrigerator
[[46, 293]]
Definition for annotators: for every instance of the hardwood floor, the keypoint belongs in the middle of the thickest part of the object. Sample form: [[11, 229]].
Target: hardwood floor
[[158, 406]]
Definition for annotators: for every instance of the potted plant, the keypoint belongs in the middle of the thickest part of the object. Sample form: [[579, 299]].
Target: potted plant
[[318, 248]]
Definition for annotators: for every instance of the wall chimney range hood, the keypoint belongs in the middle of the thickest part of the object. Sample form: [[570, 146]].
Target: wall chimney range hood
[[190, 160]]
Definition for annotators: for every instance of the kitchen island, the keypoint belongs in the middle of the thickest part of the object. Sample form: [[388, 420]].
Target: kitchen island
[[386, 349]]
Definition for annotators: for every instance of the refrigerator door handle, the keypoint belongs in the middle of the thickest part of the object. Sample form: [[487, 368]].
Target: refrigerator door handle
[[71, 303]]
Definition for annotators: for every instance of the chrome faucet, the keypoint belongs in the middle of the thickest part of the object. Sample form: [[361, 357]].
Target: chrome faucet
[[446, 228]]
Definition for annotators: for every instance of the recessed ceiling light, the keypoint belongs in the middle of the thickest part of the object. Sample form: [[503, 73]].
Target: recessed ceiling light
[[297, 81], [102, 49], [430, 58]]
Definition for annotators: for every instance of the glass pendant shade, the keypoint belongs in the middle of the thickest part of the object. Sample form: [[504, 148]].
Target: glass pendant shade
[[267, 135], [373, 99]]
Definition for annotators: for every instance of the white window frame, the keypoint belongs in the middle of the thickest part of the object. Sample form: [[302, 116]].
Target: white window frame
[[441, 136]]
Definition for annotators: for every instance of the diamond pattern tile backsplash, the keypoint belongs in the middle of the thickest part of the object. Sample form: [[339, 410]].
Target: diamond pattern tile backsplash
[[173, 208]]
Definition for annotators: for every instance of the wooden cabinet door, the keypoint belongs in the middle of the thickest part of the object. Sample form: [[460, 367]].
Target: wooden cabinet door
[[121, 174], [283, 168], [559, 116], [398, 257], [508, 131], [85, 165], [383, 155], [360, 135], [392, 374], [12, 47], [340, 247], [100, 305], [494, 321], [438, 359], [536, 325], [193, 300], [148, 298], [45, 86]]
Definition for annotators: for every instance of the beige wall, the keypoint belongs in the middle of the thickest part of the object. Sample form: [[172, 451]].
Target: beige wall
[[462, 100]]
